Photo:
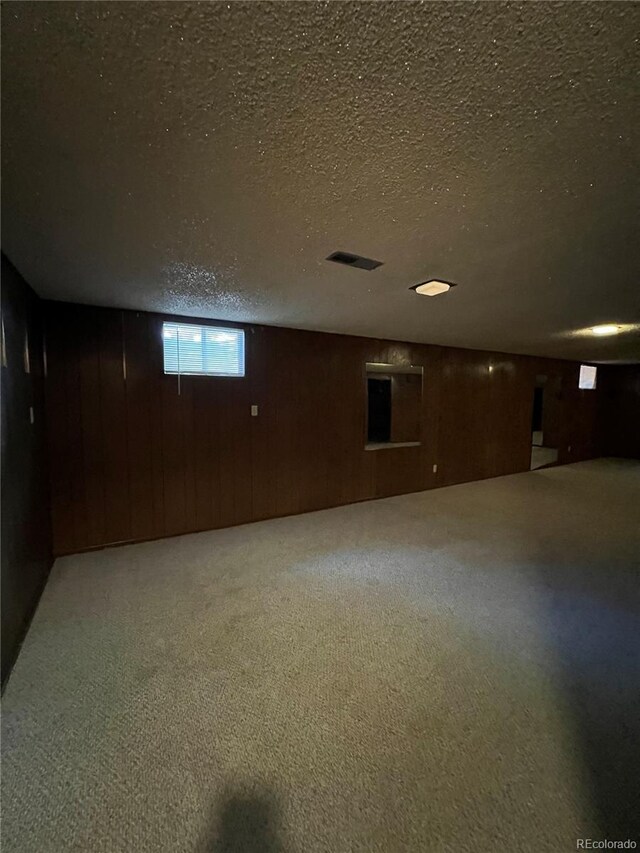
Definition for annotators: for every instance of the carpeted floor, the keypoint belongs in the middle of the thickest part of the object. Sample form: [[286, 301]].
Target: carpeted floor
[[455, 670]]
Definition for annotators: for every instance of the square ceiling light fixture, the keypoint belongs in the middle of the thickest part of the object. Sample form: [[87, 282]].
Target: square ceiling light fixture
[[433, 287]]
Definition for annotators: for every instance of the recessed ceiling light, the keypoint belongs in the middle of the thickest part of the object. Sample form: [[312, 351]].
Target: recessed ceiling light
[[606, 329], [432, 288]]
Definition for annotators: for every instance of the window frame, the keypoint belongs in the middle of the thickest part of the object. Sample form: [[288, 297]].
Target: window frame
[[204, 327], [590, 367]]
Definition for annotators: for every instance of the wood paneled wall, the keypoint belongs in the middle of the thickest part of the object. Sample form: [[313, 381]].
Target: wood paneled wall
[[132, 459], [406, 396], [620, 410], [26, 533]]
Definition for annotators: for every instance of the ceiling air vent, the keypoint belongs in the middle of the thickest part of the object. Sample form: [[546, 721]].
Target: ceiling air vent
[[354, 261]]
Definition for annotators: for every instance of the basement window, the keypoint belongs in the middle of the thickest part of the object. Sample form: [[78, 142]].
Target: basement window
[[191, 350], [588, 377]]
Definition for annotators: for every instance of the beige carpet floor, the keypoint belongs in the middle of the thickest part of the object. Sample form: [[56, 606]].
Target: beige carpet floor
[[454, 670]]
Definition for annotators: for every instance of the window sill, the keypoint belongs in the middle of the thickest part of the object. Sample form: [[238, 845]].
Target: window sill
[[391, 445]]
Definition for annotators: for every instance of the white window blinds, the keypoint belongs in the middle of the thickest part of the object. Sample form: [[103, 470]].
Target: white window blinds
[[202, 350], [588, 377]]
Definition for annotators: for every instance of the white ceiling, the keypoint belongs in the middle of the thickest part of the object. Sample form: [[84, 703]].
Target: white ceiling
[[205, 158]]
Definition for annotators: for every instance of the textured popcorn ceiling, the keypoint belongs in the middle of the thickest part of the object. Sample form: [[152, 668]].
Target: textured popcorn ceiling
[[205, 158]]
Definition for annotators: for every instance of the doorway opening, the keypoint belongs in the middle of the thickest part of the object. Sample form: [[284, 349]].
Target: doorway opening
[[394, 405], [545, 423], [379, 414]]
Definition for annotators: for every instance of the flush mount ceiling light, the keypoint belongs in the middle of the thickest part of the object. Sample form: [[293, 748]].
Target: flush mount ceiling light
[[433, 287], [605, 329]]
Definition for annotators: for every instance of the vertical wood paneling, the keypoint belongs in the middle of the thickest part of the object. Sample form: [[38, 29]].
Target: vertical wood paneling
[[149, 326], [74, 432], [25, 538], [132, 459], [510, 414], [284, 370], [204, 480], [189, 391], [406, 414], [87, 358], [117, 471], [234, 449], [431, 391], [173, 465], [59, 443], [619, 410], [313, 409], [397, 471], [464, 450], [343, 432], [139, 420], [266, 459]]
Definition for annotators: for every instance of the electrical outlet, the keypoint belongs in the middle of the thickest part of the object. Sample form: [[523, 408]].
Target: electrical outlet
[[435, 469], [254, 411]]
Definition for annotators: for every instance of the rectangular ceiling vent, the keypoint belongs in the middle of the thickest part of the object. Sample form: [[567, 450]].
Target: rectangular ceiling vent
[[354, 261]]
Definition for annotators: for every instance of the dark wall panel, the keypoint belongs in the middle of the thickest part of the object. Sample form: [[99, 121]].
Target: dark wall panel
[[60, 443], [551, 420], [137, 454], [468, 418], [26, 537], [620, 410], [84, 358], [117, 459], [406, 417]]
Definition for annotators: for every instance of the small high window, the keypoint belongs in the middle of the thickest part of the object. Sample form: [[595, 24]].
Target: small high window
[[202, 350], [588, 376]]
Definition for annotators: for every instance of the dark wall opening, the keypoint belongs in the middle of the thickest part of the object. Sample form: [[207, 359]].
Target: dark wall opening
[[379, 412], [536, 421], [26, 537], [619, 389]]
